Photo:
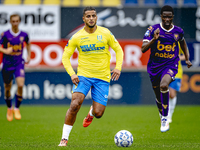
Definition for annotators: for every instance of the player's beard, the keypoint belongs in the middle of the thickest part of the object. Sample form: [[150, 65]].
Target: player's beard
[[91, 26]]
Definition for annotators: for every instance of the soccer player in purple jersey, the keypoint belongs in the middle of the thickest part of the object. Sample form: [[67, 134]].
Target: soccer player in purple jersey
[[162, 66], [13, 64]]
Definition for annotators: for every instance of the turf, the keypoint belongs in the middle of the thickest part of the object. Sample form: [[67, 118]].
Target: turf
[[41, 128]]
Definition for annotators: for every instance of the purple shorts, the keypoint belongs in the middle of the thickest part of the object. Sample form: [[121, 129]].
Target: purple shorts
[[156, 78], [8, 73]]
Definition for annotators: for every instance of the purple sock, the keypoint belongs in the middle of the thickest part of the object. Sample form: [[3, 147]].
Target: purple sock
[[18, 100], [159, 105], [165, 102], [8, 102], [158, 101]]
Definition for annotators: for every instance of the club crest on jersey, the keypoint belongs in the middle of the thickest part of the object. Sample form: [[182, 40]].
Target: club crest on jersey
[[176, 37], [21, 38], [99, 38]]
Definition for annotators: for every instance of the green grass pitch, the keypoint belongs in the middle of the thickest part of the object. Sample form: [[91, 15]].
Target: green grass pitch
[[41, 128]]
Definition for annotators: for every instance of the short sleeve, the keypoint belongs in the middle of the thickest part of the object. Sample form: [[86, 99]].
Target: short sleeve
[[148, 34], [181, 35], [1, 38], [26, 38]]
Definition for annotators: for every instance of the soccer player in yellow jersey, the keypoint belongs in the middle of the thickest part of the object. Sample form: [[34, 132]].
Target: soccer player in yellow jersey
[[93, 70], [175, 86]]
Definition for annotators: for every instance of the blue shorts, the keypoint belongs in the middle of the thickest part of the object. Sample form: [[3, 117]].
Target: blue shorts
[[99, 89], [155, 79], [176, 84], [8, 74]]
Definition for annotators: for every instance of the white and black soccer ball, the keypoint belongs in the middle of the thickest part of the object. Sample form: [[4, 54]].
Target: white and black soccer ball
[[123, 138]]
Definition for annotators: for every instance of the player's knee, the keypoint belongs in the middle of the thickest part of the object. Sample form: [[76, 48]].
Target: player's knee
[[98, 114], [163, 87], [75, 105], [171, 95], [7, 93], [20, 86]]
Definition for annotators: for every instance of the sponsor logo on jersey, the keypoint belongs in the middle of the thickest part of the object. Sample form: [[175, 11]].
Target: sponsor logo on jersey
[[168, 48], [147, 33], [91, 47]]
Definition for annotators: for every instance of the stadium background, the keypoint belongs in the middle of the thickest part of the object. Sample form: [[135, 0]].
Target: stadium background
[[50, 27]]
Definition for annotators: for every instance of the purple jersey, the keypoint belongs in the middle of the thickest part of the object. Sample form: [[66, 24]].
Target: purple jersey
[[164, 51], [16, 41]]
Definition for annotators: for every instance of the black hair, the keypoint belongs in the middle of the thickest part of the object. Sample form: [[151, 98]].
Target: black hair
[[88, 8], [167, 8]]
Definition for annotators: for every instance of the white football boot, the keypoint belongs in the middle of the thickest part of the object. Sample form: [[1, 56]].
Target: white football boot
[[164, 124]]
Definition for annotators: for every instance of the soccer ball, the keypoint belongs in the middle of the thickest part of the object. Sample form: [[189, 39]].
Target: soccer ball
[[123, 138]]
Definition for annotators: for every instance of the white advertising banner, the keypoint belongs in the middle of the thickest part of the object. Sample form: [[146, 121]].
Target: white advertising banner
[[42, 23]]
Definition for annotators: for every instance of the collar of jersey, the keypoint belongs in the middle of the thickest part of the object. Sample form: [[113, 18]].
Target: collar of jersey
[[90, 33], [15, 34], [165, 29]]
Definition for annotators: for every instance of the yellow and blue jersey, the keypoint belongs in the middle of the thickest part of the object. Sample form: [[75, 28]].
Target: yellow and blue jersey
[[94, 56]]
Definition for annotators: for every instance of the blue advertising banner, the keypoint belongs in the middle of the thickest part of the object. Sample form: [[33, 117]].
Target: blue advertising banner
[[194, 49], [55, 88], [131, 88]]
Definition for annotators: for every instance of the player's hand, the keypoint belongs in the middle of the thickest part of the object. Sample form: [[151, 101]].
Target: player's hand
[[156, 34], [28, 59], [189, 64], [115, 74], [9, 50], [75, 79]]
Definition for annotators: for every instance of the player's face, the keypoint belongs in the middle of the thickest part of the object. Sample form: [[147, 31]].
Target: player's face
[[167, 18], [90, 18], [15, 22]]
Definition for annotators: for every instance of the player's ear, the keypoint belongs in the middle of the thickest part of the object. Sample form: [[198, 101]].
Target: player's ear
[[83, 19]]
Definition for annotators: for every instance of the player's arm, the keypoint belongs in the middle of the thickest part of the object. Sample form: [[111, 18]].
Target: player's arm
[[183, 46], [147, 44], [28, 47], [68, 52], [114, 44], [6, 50]]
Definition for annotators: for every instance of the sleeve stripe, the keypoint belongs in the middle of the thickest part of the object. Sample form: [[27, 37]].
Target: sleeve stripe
[[145, 40]]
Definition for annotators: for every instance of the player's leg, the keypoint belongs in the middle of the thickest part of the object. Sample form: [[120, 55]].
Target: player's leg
[[164, 84], [8, 99], [78, 95], [164, 89], [158, 100], [76, 102], [99, 92], [7, 88], [172, 103], [155, 81], [20, 79], [7, 78], [18, 97], [173, 88], [98, 109]]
